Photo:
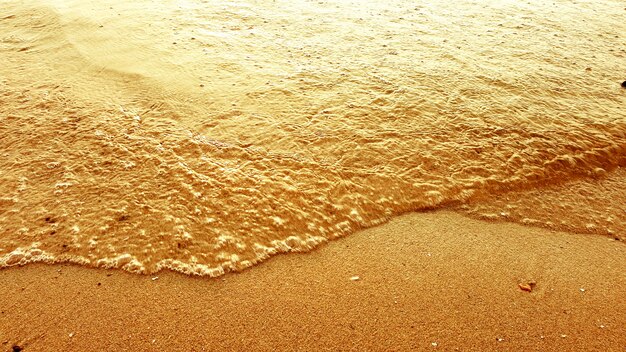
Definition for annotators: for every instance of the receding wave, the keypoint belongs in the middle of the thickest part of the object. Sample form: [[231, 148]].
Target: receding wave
[[227, 133]]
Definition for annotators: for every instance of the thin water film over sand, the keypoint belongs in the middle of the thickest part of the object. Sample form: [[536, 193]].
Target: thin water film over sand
[[205, 137]]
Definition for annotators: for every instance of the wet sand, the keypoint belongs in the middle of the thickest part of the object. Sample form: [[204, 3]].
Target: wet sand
[[427, 281]]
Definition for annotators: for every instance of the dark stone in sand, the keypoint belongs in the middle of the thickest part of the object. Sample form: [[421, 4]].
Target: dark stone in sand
[[624, 84], [17, 348]]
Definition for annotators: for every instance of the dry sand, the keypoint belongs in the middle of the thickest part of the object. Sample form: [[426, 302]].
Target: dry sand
[[424, 279]]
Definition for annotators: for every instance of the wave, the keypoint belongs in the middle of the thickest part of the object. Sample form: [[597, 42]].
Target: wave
[[121, 168]]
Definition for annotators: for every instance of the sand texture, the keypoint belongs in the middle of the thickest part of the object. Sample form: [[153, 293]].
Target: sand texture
[[187, 140], [423, 279]]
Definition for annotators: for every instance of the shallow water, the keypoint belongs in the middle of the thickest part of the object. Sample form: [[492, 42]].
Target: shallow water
[[205, 137]]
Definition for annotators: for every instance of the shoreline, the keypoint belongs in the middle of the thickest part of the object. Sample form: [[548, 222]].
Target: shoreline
[[426, 281]]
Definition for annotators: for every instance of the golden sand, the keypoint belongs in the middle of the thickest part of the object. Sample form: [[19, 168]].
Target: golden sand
[[427, 282], [205, 137]]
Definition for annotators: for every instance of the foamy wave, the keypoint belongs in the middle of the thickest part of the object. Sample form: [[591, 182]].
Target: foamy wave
[[118, 156]]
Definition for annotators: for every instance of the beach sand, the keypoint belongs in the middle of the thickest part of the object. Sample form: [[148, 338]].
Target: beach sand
[[451, 174], [426, 281]]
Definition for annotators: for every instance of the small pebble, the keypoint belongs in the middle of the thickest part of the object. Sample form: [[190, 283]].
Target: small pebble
[[17, 348], [71, 334], [434, 344], [155, 278], [355, 278], [624, 84], [525, 287]]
